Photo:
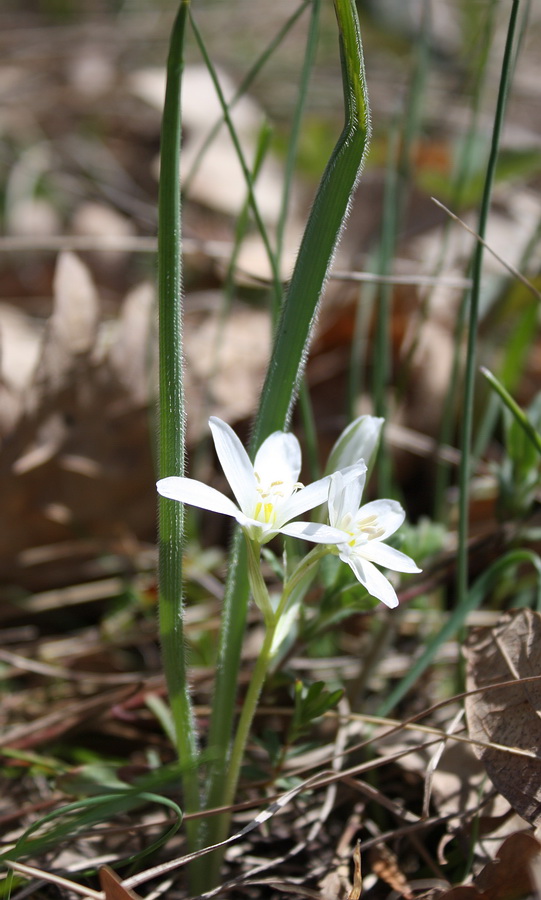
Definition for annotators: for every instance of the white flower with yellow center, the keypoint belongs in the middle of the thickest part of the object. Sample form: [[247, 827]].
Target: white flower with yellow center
[[367, 528], [268, 493]]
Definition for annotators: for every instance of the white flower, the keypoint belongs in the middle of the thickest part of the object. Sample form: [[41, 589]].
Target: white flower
[[367, 527], [268, 492], [358, 441]]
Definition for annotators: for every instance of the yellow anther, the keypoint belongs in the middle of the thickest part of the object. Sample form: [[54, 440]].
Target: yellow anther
[[265, 512]]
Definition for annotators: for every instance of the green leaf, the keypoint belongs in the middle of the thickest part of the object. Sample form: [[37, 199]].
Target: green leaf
[[311, 703]]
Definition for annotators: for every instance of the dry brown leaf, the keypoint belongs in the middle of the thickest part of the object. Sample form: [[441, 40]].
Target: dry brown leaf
[[357, 888], [75, 455], [508, 715], [74, 323], [99, 220], [225, 362], [217, 181], [132, 353], [384, 864], [19, 348], [112, 887], [508, 876], [76, 458]]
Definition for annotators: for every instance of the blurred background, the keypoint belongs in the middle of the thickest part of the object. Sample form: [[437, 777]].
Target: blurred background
[[81, 88]]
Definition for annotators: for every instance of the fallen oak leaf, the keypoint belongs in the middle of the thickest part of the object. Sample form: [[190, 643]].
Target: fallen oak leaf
[[509, 876], [508, 715]]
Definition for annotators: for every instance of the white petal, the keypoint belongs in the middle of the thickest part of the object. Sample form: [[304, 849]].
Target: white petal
[[375, 583], [313, 531], [264, 527], [307, 498], [256, 531], [236, 464], [387, 557], [279, 459], [358, 441], [354, 472], [389, 515], [345, 492], [335, 501], [196, 493]]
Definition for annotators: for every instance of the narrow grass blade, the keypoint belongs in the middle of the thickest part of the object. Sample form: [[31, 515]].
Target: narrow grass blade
[[73, 819], [397, 186], [171, 416], [293, 142], [461, 179], [469, 381], [248, 175], [514, 409], [244, 86]]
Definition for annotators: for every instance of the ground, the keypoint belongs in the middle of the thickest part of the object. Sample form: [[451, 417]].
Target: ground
[[81, 683]]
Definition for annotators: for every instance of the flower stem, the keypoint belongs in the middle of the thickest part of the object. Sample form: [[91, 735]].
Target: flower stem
[[262, 599], [231, 774], [248, 711], [258, 586], [307, 563], [239, 744]]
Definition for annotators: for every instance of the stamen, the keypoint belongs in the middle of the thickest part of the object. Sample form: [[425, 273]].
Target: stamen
[[265, 512], [370, 532], [368, 521]]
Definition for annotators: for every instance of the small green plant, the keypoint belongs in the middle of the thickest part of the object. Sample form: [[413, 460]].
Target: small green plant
[[519, 474], [265, 478], [260, 517], [355, 545], [269, 496]]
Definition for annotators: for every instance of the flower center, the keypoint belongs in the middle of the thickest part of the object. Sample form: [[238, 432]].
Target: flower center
[[364, 530], [369, 528], [271, 494], [265, 512]]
